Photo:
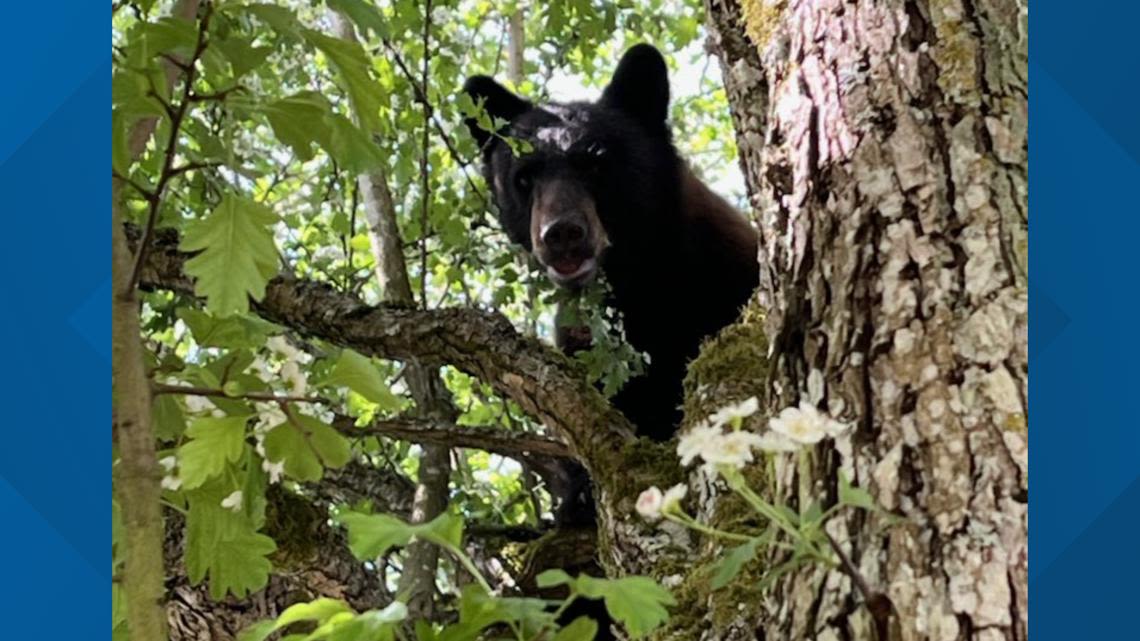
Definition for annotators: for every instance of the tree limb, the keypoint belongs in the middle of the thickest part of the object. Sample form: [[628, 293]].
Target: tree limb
[[544, 383], [518, 445]]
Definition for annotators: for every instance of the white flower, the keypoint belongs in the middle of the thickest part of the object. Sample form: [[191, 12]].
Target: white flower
[[261, 368], [168, 462], [673, 497], [282, 346], [695, 441], [275, 470], [774, 442], [729, 413], [269, 416], [649, 503], [440, 15], [291, 372], [805, 424], [198, 404], [733, 449], [328, 253], [233, 501], [171, 483]]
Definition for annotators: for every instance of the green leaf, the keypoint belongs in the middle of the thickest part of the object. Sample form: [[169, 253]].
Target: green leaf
[[371, 535], [355, 68], [374, 625], [213, 443], [445, 529], [478, 610], [357, 372], [259, 631], [637, 602], [169, 423], [299, 121], [280, 18], [242, 55], [223, 545], [581, 629], [170, 35], [235, 331], [238, 256], [240, 565], [351, 147], [729, 566], [853, 496], [363, 14], [307, 446], [319, 610], [551, 578]]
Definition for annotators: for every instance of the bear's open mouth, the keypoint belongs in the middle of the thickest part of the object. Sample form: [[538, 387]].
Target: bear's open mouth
[[571, 271]]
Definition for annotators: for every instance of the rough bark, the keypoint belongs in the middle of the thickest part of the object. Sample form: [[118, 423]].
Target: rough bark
[[312, 559], [884, 145]]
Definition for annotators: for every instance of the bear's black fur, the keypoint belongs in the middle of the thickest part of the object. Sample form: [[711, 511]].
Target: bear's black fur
[[601, 186]]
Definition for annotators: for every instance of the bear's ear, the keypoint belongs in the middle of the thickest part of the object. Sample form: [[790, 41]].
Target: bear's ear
[[497, 100], [640, 86]]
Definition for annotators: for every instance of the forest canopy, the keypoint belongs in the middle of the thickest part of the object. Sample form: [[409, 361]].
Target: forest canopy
[[347, 406]]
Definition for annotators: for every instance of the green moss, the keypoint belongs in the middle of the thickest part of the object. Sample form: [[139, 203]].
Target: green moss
[[732, 366], [761, 17], [293, 523]]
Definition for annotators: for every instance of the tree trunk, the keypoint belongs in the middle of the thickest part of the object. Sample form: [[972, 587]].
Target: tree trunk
[[884, 147]]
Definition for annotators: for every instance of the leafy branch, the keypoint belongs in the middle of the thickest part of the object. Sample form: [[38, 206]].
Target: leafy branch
[[544, 382], [177, 115]]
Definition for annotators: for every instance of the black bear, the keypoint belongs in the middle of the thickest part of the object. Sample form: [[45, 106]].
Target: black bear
[[600, 186]]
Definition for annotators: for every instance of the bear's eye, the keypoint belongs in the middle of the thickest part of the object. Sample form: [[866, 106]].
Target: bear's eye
[[523, 181], [596, 150]]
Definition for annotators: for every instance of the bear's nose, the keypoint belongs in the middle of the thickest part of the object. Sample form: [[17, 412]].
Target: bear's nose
[[563, 236]]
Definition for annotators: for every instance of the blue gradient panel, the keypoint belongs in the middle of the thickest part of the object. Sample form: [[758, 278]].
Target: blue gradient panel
[[1085, 351], [56, 324]]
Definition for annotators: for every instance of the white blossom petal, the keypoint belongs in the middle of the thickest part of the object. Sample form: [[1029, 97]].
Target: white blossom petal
[[233, 501], [649, 503]]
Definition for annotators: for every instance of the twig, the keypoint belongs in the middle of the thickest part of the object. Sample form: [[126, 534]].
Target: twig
[[191, 166], [171, 146], [188, 390], [878, 603], [217, 95], [421, 97], [143, 191], [425, 181]]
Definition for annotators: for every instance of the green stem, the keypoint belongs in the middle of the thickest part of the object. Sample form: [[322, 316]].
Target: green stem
[[693, 524], [469, 565], [766, 510]]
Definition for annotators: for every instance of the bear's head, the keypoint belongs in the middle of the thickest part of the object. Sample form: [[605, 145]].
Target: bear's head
[[593, 178]]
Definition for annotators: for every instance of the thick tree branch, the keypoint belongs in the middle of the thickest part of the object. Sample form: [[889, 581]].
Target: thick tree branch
[[544, 383], [521, 446]]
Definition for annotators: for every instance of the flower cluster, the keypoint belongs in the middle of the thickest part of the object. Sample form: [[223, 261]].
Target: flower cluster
[[652, 503], [793, 428], [170, 480], [269, 416], [291, 369]]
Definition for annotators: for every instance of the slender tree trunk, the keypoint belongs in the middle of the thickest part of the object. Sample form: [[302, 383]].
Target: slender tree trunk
[[138, 475], [884, 146], [433, 400]]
